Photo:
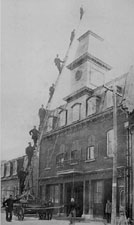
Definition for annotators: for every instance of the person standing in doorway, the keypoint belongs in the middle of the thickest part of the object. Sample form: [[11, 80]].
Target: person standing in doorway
[[108, 210]]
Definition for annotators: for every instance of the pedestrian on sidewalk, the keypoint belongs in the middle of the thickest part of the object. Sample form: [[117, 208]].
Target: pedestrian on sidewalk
[[72, 213], [8, 204]]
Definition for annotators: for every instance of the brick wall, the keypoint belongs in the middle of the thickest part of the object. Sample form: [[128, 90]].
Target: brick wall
[[81, 131]]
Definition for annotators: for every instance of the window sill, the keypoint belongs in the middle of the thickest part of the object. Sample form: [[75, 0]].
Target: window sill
[[48, 168], [108, 157], [73, 163], [89, 160], [59, 166]]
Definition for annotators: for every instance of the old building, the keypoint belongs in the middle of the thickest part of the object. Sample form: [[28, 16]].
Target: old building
[[10, 179], [76, 151]]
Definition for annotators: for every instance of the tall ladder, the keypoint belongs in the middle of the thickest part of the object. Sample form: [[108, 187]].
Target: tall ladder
[[66, 57], [48, 106]]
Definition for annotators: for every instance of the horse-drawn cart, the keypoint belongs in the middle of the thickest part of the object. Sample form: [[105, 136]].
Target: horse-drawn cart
[[25, 208]]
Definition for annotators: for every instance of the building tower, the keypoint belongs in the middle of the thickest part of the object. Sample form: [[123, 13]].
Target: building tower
[[87, 68]]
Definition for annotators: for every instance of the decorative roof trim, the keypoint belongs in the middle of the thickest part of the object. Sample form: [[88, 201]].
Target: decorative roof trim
[[82, 91], [92, 33], [88, 57]]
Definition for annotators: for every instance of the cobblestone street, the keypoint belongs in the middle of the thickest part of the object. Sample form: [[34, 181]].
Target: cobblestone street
[[35, 221]]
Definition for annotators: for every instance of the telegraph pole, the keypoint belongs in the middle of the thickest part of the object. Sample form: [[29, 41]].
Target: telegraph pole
[[114, 182]]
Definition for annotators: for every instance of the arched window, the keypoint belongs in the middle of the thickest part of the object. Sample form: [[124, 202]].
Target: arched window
[[63, 118], [91, 105], [76, 111]]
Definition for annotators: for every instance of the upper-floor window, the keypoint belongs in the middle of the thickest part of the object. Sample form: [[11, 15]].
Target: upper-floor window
[[91, 106], [7, 169], [63, 118], [110, 143], [76, 110], [74, 155], [90, 153], [60, 159], [2, 169], [75, 151], [61, 155], [14, 167], [109, 99]]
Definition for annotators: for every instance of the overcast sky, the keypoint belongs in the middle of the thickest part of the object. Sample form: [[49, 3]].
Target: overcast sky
[[33, 32]]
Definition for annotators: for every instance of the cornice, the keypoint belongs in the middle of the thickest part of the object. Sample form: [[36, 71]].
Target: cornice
[[88, 57]]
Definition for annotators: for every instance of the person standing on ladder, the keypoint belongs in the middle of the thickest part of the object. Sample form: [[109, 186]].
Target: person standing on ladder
[[58, 62], [81, 12], [42, 113], [29, 152], [72, 36], [34, 133], [22, 176], [51, 92]]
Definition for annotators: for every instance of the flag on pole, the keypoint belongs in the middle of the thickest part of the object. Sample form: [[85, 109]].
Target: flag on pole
[[128, 98], [81, 12]]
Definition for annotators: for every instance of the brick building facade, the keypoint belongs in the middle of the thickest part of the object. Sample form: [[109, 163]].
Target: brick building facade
[[76, 149], [10, 182]]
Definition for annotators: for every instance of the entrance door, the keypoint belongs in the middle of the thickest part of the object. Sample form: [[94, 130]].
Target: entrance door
[[74, 190], [78, 196], [97, 190], [107, 191]]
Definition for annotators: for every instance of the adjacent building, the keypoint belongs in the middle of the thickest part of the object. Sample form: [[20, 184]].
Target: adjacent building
[[10, 180]]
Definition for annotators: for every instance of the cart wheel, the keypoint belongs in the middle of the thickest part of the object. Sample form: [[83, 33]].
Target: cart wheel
[[20, 214]]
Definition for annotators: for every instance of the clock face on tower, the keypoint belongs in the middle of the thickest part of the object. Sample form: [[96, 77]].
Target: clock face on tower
[[78, 75]]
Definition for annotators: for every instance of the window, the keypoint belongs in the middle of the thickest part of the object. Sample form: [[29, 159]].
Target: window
[[109, 99], [63, 118], [61, 155], [2, 169], [90, 153], [74, 155], [60, 159], [14, 167], [91, 106], [76, 111], [8, 169], [110, 143]]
